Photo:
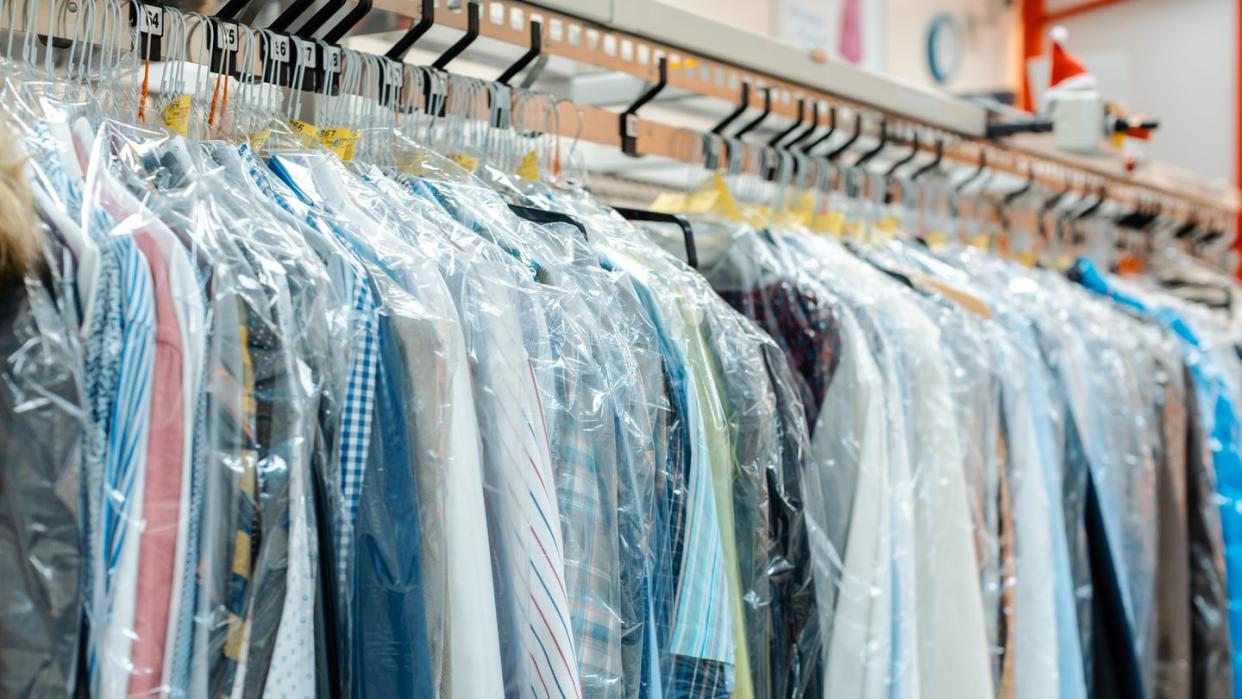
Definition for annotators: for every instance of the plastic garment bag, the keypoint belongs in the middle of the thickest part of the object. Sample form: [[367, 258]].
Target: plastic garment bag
[[43, 423], [1215, 404]]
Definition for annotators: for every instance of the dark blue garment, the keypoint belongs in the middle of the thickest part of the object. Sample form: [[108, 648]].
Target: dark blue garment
[[391, 655]]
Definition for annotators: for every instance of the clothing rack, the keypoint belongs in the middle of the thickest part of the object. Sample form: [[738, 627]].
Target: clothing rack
[[644, 39], [589, 34]]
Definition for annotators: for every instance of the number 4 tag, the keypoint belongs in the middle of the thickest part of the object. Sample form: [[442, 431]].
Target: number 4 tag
[[151, 20]]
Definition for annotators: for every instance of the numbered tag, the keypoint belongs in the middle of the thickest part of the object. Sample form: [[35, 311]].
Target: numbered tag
[[395, 74], [280, 49], [151, 20], [333, 59], [226, 38], [306, 53]]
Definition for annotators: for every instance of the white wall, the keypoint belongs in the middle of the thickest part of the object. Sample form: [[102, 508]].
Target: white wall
[[1176, 59], [895, 33]]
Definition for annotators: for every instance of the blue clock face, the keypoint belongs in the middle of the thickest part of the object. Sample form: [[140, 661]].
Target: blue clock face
[[944, 47]]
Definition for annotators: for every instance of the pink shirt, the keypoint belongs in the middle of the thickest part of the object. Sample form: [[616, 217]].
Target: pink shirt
[[161, 502]]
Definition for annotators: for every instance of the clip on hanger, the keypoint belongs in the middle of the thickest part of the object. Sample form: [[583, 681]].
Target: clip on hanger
[[681, 222], [836, 153], [983, 166], [767, 109], [629, 118], [544, 216]]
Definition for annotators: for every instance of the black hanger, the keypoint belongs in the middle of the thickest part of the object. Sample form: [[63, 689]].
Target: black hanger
[[866, 157], [914, 151], [775, 140], [232, 8], [767, 109], [983, 165], [892, 169], [426, 18], [681, 222], [743, 104], [295, 9], [544, 216], [935, 163], [809, 129], [832, 128], [1030, 182], [1056, 198], [629, 118], [850, 141], [536, 48], [1101, 195], [1187, 229], [472, 33], [348, 22]]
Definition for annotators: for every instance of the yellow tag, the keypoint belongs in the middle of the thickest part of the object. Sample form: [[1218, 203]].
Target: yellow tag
[[1064, 262], [800, 212], [832, 223], [339, 140], [258, 138], [980, 242], [308, 133], [936, 240], [701, 202], [756, 215], [1026, 259], [177, 115], [414, 163], [670, 203], [528, 169], [852, 230], [469, 163], [886, 225], [724, 203]]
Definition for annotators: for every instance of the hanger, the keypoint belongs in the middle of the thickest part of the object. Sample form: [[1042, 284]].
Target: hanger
[[914, 151], [426, 18], [1010, 197], [472, 33], [767, 109], [850, 141], [775, 140], [536, 48], [743, 103], [809, 129], [866, 157], [629, 118], [681, 222], [983, 165], [543, 216], [832, 128], [935, 163], [1101, 195]]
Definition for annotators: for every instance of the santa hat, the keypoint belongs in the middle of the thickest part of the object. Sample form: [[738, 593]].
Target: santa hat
[[1068, 75]]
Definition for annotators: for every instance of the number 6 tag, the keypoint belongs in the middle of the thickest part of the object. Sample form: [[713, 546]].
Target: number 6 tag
[[280, 49]]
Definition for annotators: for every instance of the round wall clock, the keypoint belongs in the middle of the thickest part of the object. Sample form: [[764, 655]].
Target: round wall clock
[[945, 47]]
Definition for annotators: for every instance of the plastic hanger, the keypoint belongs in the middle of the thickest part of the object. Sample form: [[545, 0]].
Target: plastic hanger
[[687, 232]]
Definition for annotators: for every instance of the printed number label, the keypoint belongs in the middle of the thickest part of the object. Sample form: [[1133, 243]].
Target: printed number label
[[226, 40], [280, 49], [151, 20], [306, 53], [334, 59], [395, 74]]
